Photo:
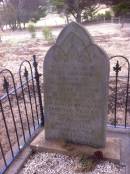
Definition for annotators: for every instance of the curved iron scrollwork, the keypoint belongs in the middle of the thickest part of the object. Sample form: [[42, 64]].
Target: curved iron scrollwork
[[120, 90], [21, 109], [26, 99]]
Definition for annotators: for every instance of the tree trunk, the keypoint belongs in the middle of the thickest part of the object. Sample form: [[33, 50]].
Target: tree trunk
[[2, 27], [19, 26], [24, 24], [78, 18], [67, 19], [0, 39]]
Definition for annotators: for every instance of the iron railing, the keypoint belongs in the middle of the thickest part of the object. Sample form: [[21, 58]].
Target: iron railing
[[21, 110], [119, 92]]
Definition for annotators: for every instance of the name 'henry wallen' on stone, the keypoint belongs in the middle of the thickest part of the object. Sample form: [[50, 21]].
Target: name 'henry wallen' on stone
[[76, 73]]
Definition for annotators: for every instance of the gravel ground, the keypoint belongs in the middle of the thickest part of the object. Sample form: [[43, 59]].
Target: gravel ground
[[51, 163]]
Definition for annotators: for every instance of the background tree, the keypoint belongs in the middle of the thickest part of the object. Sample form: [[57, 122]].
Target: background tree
[[111, 2], [15, 12], [87, 9], [8, 14], [90, 12], [122, 9], [75, 7]]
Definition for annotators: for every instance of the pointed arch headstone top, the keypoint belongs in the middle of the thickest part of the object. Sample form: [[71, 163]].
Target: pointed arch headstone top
[[74, 29], [76, 73]]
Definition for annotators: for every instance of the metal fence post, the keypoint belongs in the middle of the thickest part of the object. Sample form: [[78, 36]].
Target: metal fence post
[[117, 69], [37, 78]]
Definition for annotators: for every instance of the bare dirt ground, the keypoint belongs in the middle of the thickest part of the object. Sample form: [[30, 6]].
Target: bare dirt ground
[[18, 46]]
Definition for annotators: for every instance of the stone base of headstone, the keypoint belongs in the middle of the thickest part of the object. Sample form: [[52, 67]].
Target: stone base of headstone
[[110, 152]]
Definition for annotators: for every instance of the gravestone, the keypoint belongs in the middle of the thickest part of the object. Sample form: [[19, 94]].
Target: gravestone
[[76, 73]]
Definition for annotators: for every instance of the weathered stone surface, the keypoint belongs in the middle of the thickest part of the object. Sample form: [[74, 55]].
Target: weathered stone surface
[[76, 75]]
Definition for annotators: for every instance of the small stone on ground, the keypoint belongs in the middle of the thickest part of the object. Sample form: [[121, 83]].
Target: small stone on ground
[[51, 163]]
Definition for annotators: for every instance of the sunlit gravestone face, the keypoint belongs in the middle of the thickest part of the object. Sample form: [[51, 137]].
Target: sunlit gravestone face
[[76, 73]]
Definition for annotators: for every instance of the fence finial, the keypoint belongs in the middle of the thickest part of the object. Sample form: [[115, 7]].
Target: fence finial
[[6, 84], [117, 68], [25, 72]]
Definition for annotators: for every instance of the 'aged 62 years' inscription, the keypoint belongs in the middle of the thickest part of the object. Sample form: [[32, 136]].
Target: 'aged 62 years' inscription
[[76, 75]]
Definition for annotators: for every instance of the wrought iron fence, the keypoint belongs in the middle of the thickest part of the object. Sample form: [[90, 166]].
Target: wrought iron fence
[[119, 92], [21, 110]]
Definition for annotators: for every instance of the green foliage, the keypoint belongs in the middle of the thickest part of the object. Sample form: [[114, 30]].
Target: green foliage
[[101, 16], [58, 5], [107, 15], [121, 9], [86, 9], [32, 29], [90, 13], [76, 8], [58, 2], [47, 33]]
